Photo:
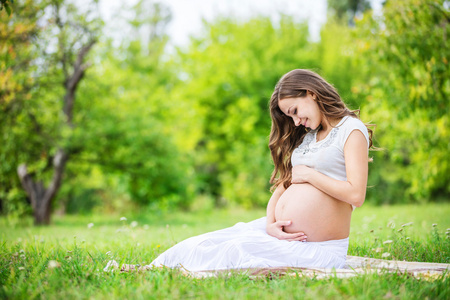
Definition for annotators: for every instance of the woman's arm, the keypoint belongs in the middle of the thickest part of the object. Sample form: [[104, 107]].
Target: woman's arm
[[353, 190], [274, 227], [273, 203]]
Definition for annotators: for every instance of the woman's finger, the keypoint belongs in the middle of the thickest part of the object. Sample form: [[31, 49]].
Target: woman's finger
[[287, 236], [283, 223]]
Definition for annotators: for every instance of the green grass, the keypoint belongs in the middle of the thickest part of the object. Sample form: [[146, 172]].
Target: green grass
[[81, 253]]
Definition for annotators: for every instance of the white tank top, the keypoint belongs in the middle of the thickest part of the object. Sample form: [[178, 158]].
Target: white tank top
[[327, 155]]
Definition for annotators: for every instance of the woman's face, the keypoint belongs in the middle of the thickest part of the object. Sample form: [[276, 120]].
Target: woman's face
[[303, 110]]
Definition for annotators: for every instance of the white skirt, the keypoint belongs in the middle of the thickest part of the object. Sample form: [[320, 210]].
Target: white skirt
[[247, 245]]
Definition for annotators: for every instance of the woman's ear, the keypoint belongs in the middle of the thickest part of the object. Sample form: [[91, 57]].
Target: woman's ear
[[313, 96]]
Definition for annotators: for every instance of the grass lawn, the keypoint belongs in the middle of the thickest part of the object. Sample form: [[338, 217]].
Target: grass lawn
[[66, 259]]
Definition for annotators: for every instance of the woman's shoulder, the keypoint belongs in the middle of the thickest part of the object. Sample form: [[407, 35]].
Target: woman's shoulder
[[350, 121], [349, 124]]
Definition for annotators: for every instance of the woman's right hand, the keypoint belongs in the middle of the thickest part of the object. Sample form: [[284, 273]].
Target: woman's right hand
[[276, 230]]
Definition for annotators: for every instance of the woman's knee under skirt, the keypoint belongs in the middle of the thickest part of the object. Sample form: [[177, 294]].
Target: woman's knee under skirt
[[247, 245]]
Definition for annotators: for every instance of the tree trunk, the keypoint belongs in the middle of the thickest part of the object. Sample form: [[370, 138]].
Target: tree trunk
[[40, 196]]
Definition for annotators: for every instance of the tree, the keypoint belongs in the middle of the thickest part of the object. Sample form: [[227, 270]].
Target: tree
[[222, 118], [6, 5], [67, 66], [348, 9], [407, 92], [18, 35], [123, 131], [114, 142]]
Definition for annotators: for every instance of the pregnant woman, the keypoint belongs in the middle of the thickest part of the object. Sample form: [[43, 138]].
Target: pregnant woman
[[320, 151]]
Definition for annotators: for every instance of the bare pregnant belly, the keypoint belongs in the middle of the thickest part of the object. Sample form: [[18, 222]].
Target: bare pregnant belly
[[318, 215]]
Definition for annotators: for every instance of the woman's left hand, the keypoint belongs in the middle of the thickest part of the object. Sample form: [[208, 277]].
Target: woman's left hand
[[301, 173]]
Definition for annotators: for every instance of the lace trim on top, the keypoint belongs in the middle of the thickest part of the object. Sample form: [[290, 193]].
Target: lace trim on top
[[309, 138]]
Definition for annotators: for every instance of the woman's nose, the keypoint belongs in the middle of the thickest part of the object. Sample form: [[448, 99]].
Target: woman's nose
[[296, 120]]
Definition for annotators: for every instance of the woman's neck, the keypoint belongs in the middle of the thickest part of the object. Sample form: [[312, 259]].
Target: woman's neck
[[325, 128]]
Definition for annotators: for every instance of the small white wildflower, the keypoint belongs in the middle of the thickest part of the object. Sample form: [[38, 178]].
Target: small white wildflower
[[123, 219], [22, 251], [434, 224], [111, 266], [399, 230], [22, 256], [134, 224], [53, 264], [385, 254], [391, 224], [21, 268], [90, 225], [407, 224], [108, 253], [448, 229], [146, 227], [407, 238], [387, 242]]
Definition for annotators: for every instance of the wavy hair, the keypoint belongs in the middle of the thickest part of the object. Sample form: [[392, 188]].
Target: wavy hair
[[284, 135]]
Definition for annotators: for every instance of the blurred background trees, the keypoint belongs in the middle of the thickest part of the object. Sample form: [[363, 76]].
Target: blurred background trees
[[406, 53], [17, 81], [157, 128]]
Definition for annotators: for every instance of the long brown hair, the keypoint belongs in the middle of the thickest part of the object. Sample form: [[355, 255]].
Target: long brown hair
[[284, 135]]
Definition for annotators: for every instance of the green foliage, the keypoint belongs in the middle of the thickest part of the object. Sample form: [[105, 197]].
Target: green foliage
[[120, 132], [6, 5], [117, 143], [123, 132], [40, 53], [21, 137], [228, 76], [121, 144], [336, 60], [407, 91], [348, 8]]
